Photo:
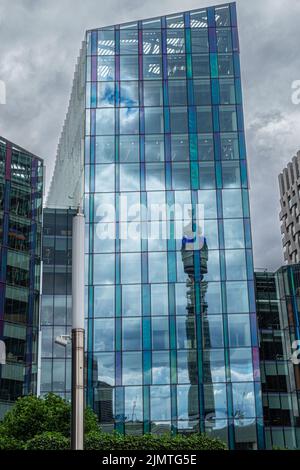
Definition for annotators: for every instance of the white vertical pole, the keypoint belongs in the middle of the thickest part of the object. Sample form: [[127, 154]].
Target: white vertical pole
[[77, 434]]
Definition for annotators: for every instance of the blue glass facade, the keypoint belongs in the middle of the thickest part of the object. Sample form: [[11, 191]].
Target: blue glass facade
[[21, 193], [171, 331]]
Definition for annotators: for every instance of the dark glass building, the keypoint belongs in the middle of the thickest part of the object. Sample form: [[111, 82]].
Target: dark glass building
[[21, 193], [56, 301], [156, 122], [278, 302]]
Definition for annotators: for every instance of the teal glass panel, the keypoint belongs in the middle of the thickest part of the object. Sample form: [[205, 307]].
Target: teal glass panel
[[193, 147], [218, 175], [146, 333], [189, 66], [238, 91], [171, 266], [118, 294], [248, 238], [146, 303], [242, 145], [194, 175], [216, 119], [215, 91], [118, 334], [250, 268], [119, 404], [172, 328], [214, 65], [147, 367], [188, 44], [236, 65], [173, 402], [192, 120], [173, 364], [146, 406], [246, 208]]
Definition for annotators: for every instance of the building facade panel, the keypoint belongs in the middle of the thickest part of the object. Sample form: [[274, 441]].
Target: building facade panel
[[21, 193]]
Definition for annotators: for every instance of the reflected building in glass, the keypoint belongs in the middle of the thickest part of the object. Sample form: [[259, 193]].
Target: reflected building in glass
[[21, 194], [156, 120], [278, 304]]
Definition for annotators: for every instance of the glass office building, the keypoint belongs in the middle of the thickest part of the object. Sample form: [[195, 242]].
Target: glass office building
[[21, 192], [170, 307], [56, 301], [278, 300]]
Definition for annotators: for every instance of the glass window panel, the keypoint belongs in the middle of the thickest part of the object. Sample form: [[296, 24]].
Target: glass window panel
[[160, 367], [155, 176], [241, 365], [202, 92], [151, 42], [176, 21], [153, 93], [207, 175], [239, 331], [225, 65], [215, 401], [229, 147], [199, 19], [175, 42], [106, 69], [228, 119], [152, 24], [129, 67], [129, 148], [106, 94], [129, 120], [154, 148], [104, 334], [129, 94], [243, 400], [235, 265], [204, 119], [187, 368], [200, 43], [213, 332], [224, 41], [214, 366], [157, 267], [132, 369], [180, 147], [205, 147], [133, 409], [47, 341], [104, 269], [105, 368], [201, 66], [211, 234], [160, 394], [208, 200], [105, 121], [104, 301], [176, 66], [180, 176], [131, 334], [157, 235], [131, 268], [177, 92], [237, 297], [159, 299], [227, 91], [232, 203], [213, 266], [160, 333], [179, 120], [131, 301], [234, 233], [186, 333], [129, 177], [106, 42], [104, 205], [152, 67], [213, 298], [187, 402], [128, 41], [154, 120], [105, 149], [222, 16], [105, 178]]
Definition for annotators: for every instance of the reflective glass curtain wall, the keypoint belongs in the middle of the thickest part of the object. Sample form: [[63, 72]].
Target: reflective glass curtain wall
[[21, 191], [171, 337], [56, 301]]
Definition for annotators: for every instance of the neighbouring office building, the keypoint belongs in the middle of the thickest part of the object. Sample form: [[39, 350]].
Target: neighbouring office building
[[278, 301], [21, 193], [156, 120], [289, 185]]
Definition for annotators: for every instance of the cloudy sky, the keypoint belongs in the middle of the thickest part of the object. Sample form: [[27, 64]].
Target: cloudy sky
[[39, 43]]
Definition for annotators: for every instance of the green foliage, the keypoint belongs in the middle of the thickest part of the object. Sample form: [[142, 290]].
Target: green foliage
[[10, 443], [31, 416], [166, 442], [48, 441]]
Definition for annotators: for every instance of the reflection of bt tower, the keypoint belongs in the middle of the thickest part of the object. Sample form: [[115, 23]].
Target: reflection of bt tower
[[194, 253]]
